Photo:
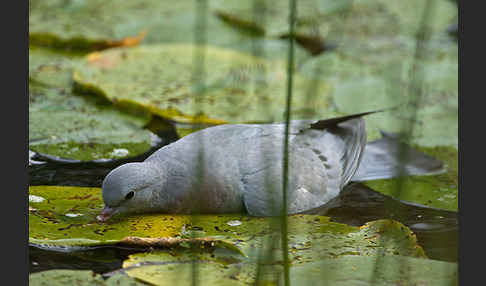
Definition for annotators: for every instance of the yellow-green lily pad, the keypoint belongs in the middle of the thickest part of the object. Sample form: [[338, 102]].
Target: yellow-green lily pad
[[238, 87], [438, 191], [66, 217]]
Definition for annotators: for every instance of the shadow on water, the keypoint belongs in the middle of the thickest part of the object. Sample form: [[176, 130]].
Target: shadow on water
[[99, 260]]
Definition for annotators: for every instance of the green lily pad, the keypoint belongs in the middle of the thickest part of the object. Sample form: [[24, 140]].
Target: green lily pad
[[239, 87], [51, 69], [347, 270], [89, 25], [71, 126], [367, 270], [65, 277], [74, 127], [95, 25], [241, 14], [66, 217], [374, 74], [60, 277], [335, 19], [439, 191], [182, 274]]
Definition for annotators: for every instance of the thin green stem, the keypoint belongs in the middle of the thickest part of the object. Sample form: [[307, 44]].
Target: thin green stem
[[290, 70]]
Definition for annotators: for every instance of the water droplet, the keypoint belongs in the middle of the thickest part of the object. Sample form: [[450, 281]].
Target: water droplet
[[73, 215], [234, 223], [35, 199], [119, 152]]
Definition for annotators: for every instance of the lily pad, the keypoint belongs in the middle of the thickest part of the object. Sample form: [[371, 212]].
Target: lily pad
[[89, 25], [238, 87], [375, 74], [347, 270], [96, 25], [241, 14], [51, 69], [74, 127], [311, 237], [182, 274], [438, 191], [334, 19], [70, 126], [367, 270], [389, 236], [60, 277], [65, 277]]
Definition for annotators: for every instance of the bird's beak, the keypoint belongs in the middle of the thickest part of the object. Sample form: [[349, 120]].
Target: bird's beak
[[106, 213]]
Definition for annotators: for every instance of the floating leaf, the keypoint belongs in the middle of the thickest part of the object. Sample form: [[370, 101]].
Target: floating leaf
[[49, 226], [65, 277], [61, 277], [96, 25], [182, 274], [70, 126], [368, 270], [374, 74], [346, 270], [238, 87], [51, 69], [89, 25], [335, 19], [241, 14]]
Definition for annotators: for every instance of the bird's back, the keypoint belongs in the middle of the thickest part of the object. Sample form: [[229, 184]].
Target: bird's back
[[237, 167]]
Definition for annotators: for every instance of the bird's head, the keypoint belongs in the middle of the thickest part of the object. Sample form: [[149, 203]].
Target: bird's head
[[132, 188]]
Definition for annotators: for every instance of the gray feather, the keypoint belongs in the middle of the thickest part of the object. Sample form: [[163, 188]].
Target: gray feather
[[237, 168]]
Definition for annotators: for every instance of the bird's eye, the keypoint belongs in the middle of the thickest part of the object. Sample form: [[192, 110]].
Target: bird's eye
[[129, 195]]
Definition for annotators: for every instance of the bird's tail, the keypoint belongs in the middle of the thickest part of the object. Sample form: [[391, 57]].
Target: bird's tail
[[381, 160]]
